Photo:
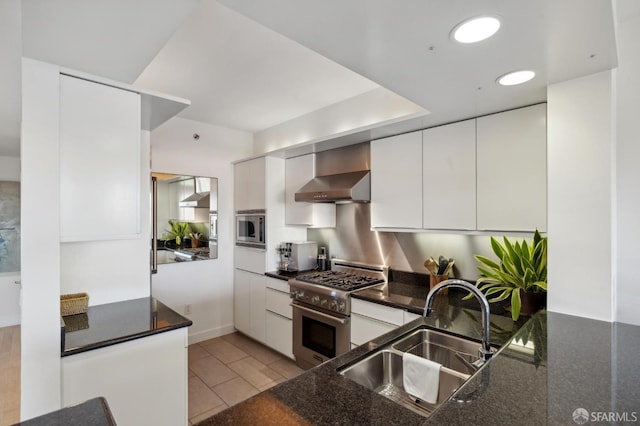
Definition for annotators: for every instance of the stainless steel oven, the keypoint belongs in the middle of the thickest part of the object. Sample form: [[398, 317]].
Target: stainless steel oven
[[318, 336], [251, 228], [322, 309]]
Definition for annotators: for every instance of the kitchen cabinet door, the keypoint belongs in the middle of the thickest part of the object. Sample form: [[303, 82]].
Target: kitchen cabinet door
[[512, 172], [242, 301], [279, 334], [258, 307], [299, 171], [449, 176], [396, 182], [364, 329], [249, 185], [249, 304], [100, 161]]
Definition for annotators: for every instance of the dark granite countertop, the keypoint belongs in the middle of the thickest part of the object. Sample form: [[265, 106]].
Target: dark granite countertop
[[94, 412], [112, 323], [284, 275], [552, 366]]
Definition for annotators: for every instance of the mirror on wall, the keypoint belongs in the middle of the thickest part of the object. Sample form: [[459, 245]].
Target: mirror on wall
[[187, 218], [9, 226]]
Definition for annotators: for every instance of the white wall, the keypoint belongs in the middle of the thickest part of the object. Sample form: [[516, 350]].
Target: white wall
[[627, 170], [40, 207], [206, 285], [10, 168], [9, 291], [580, 195]]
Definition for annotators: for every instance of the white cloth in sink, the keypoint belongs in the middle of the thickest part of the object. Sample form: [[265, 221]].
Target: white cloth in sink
[[421, 377]]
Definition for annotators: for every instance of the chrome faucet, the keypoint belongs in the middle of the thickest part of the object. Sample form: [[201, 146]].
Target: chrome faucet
[[485, 350]]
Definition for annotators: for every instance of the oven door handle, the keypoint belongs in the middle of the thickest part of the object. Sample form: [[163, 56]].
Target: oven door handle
[[313, 311]]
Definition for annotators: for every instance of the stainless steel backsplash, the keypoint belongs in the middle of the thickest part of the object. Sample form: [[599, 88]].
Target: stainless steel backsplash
[[353, 239]]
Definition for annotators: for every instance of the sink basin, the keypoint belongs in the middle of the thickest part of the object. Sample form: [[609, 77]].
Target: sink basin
[[450, 351], [381, 370]]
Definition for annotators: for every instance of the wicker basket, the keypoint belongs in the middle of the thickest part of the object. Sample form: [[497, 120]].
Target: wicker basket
[[71, 304]]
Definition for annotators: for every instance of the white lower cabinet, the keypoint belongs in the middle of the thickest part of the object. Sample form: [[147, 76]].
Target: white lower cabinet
[[370, 320], [279, 333], [144, 380], [364, 329], [249, 304]]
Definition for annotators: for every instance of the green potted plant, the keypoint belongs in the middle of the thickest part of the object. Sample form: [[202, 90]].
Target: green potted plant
[[177, 231], [520, 274]]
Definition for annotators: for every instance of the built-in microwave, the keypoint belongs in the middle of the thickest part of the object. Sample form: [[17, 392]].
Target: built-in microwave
[[251, 228]]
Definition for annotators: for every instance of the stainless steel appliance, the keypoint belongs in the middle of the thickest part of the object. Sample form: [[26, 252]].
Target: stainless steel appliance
[[298, 256], [342, 175], [251, 228], [322, 309]]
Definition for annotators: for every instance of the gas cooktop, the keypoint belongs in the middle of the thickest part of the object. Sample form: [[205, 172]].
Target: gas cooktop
[[340, 280]]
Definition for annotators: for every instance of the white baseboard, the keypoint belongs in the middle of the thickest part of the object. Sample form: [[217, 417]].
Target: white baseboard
[[211, 333]]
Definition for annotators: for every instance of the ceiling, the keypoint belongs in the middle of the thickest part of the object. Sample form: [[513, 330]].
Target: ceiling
[[115, 39], [252, 65], [242, 75], [405, 46]]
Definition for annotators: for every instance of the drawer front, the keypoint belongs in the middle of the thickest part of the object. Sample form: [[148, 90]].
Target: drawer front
[[364, 329], [379, 312], [276, 284], [279, 303]]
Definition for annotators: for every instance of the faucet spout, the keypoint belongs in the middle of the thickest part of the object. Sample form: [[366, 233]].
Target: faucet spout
[[485, 350]]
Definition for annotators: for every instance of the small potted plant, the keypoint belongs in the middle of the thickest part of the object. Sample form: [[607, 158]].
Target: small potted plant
[[177, 231], [520, 274], [195, 239]]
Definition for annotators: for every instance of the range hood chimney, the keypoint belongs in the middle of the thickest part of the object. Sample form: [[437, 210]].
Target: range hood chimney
[[342, 175], [197, 199]]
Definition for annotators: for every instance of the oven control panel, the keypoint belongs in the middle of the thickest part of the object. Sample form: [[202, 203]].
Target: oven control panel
[[324, 301]]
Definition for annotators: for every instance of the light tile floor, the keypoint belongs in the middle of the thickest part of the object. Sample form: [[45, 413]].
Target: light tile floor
[[229, 369], [9, 375]]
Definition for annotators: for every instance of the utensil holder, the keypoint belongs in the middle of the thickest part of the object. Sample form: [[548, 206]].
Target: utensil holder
[[434, 280]]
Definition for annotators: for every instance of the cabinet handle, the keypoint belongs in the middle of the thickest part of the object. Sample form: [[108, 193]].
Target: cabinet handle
[[320, 314], [154, 225]]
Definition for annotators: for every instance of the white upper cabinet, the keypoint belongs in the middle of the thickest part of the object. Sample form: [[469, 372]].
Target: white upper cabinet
[[449, 176], [299, 171], [249, 182], [512, 173], [100, 161], [396, 181]]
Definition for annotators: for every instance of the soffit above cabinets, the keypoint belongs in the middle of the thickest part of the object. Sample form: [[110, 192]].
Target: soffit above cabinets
[[405, 46]]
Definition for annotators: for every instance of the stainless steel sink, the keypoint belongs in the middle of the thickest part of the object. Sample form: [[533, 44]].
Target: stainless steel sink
[[450, 351], [381, 370]]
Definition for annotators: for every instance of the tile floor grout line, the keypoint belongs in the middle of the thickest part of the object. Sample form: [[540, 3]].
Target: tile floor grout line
[[247, 349]]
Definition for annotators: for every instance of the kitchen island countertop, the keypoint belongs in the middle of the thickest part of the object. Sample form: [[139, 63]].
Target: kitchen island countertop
[[113, 323], [552, 365], [94, 412]]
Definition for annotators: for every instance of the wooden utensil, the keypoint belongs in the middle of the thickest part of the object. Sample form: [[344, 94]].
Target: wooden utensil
[[431, 265]]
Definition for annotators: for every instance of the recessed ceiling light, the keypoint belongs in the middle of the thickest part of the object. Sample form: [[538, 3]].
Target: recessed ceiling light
[[476, 29], [516, 77]]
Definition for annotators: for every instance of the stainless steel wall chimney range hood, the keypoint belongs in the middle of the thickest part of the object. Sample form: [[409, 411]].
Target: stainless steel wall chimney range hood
[[197, 199], [342, 175]]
